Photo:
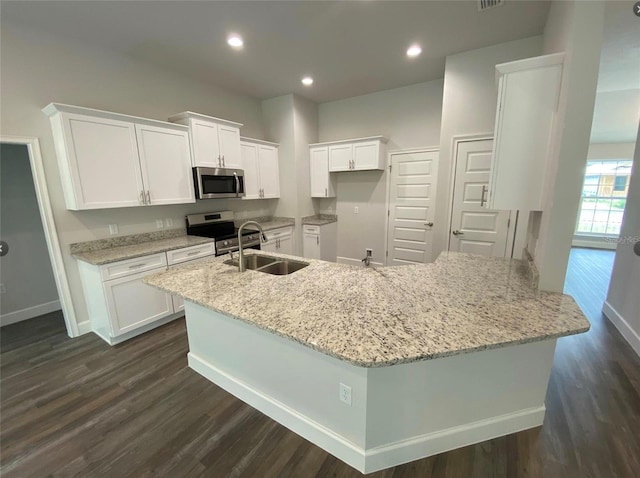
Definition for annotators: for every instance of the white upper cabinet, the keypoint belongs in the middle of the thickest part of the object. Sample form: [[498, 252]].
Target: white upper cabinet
[[528, 92], [322, 183], [108, 160], [166, 165], [215, 141], [261, 169], [361, 154]]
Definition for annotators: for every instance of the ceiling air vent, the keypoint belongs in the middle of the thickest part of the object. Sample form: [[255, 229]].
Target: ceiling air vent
[[487, 4]]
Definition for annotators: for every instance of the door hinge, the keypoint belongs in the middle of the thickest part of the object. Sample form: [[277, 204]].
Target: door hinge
[[508, 223], [388, 212], [390, 168], [387, 253]]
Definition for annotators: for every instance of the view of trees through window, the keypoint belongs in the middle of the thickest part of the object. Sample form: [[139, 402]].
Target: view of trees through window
[[604, 196]]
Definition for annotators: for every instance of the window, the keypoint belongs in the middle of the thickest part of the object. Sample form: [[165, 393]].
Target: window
[[604, 196]]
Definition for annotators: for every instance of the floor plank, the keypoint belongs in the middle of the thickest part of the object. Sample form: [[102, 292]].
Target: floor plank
[[79, 408]]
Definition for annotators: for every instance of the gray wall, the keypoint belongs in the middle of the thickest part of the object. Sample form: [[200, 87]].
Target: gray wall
[[26, 271], [623, 301]]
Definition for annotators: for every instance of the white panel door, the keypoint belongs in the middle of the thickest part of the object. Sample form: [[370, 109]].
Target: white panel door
[[104, 163], [474, 228], [132, 304], [269, 172], [321, 184], [412, 195], [366, 156], [229, 138], [206, 148], [285, 245], [311, 245], [165, 159], [340, 157], [251, 171]]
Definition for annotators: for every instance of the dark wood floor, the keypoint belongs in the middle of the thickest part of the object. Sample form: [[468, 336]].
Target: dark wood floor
[[81, 408]]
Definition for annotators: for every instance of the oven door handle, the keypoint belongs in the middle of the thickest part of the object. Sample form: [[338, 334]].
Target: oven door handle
[[235, 175]]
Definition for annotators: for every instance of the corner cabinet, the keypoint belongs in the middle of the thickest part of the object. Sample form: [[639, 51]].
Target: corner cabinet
[[323, 183], [362, 154], [108, 160], [528, 93], [215, 141], [261, 169]]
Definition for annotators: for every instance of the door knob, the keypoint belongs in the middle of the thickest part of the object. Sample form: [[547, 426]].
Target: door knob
[[428, 224], [457, 233], [636, 248]]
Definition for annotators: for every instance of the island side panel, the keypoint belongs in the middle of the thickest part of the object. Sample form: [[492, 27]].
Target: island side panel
[[293, 384], [424, 408]]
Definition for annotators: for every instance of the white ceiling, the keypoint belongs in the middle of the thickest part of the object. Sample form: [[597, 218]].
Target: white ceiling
[[349, 47], [617, 108]]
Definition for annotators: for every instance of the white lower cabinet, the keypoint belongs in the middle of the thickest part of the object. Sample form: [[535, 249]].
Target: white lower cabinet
[[320, 242], [121, 306], [279, 240]]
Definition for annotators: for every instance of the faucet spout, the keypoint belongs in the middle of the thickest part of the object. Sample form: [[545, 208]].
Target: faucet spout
[[241, 265]]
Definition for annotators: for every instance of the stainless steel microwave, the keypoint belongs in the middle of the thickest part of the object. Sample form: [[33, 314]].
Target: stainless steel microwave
[[211, 183]]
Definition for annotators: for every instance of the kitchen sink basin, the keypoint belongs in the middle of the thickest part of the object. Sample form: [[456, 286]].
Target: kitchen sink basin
[[269, 265]]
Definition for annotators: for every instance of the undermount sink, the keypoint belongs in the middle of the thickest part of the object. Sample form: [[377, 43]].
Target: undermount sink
[[269, 265]]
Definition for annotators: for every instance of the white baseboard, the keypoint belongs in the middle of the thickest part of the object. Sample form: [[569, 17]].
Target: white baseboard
[[368, 461], [622, 325], [356, 262], [29, 313], [595, 244]]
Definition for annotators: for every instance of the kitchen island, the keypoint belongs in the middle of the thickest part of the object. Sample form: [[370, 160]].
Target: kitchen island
[[379, 366]]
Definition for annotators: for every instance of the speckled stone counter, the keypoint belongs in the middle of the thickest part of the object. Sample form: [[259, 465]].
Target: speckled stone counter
[[269, 223], [143, 248], [377, 317], [319, 219]]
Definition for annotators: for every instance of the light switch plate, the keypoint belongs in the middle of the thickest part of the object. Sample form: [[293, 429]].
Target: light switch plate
[[159, 224], [113, 229], [168, 222], [356, 210]]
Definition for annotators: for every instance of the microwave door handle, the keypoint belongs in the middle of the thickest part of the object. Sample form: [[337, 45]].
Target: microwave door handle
[[235, 175]]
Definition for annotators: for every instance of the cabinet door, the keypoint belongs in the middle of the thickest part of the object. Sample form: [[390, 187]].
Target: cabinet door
[[206, 147], [285, 245], [269, 246], [165, 160], [269, 172], [101, 163], [311, 245], [367, 156], [321, 184], [340, 156], [251, 171], [132, 304], [229, 137]]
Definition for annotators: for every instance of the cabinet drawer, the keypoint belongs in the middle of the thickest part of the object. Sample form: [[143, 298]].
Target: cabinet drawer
[[190, 253], [279, 233], [307, 229], [133, 266]]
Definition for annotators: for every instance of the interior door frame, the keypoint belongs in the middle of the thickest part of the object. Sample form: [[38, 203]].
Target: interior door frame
[[426, 149], [50, 230]]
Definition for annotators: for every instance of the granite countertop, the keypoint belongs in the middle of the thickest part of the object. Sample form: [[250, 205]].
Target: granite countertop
[[143, 248], [319, 219], [373, 317], [269, 223]]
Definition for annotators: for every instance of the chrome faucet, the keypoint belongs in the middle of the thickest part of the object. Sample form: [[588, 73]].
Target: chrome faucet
[[241, 266]]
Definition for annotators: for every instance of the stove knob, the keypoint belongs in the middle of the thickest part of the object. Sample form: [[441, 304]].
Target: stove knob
[[225, 243]]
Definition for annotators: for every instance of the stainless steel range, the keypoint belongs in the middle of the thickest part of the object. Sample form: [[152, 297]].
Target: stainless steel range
[[220, 225]]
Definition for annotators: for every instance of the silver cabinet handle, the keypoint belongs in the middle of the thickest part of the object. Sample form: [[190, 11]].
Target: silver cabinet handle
[[325, 192], [457, 233], [223, 165], [430, 224], [483, 201], [318, 240], [148, 197], [142, 198], [194, 253], [137, 266]]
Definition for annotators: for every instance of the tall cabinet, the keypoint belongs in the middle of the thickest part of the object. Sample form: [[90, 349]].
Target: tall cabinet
[[261, 168], [528, 93]]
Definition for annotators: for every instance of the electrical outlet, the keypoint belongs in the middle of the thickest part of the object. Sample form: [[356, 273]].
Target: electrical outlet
[[168, 222], [345, 394], [159, 224], [368, 252], [356, 210], [113, 229], [3, 289]]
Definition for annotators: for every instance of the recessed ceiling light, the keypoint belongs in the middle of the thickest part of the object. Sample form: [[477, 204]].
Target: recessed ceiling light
[[307, 81], [414, 50], [235, 41]]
